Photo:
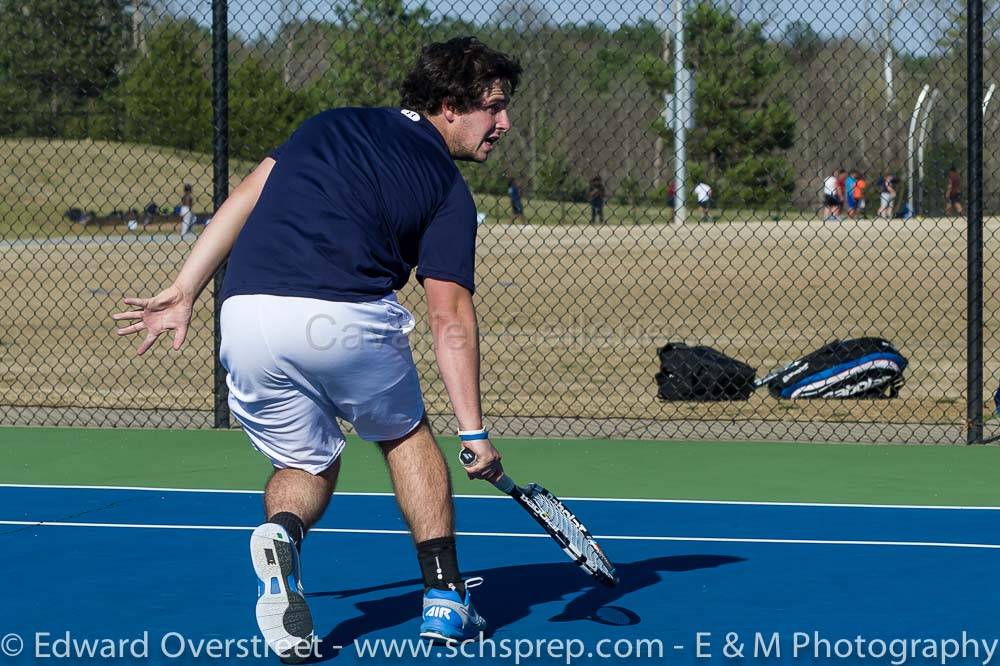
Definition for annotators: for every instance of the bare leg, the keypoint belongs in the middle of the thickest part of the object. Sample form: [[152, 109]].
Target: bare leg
[[304, 494], [423, 487]]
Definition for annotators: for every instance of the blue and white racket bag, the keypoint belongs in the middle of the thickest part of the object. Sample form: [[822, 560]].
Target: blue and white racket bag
[[856, 368]]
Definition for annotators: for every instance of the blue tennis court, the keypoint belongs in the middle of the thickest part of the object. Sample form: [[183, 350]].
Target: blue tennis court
[[168, 570]]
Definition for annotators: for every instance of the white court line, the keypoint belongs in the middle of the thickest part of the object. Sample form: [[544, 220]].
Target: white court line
[[518, 535], [845, 505]]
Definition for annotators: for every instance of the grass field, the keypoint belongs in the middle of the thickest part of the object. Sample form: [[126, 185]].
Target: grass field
[[40, 179], [571, 315], [545, 212]]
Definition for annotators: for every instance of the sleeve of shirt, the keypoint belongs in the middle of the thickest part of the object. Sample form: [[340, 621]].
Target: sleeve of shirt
[[276, 152], [448, 243]]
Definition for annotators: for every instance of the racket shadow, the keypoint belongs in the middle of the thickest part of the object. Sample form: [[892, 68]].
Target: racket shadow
[[535, 584], [635, 576]]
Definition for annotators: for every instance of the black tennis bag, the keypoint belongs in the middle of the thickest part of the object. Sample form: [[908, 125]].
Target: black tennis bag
[[702, 373], [856, 368]]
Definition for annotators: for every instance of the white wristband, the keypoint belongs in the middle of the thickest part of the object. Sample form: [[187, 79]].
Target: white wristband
[[473, 435]]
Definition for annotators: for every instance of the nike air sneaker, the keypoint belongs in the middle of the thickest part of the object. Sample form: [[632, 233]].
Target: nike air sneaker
[[282, 613], [449, 618]]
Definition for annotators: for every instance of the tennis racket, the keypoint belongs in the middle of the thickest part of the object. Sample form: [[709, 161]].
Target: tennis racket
[[561, 524]]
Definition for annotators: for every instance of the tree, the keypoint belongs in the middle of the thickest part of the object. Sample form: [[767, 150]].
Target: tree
[[168, 91], [803, 42], [58, 60], [372, 48], [553, 179], [263, 111], [742, 131]]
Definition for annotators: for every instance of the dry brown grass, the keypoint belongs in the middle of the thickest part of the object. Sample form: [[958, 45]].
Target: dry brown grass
[[570, 317]]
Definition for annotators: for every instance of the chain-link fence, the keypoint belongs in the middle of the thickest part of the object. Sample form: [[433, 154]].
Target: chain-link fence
[[766, 179]]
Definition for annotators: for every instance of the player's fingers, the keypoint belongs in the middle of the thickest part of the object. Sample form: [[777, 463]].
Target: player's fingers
[[146, 344], [131, 314], [475, 469], [483, 469], [497, 467], [128, 330], [481, 460], [179, 336], [139, 302], [493, 473]]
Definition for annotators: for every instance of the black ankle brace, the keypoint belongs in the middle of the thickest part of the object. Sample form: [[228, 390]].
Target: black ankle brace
[[293, 525], [439, 565]]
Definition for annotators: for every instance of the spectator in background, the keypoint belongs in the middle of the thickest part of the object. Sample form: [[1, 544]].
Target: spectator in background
[[831, 202], [671, 193], [841, 190], [849, 181], [596, 195], [887, 195], [132, 219], [516, 208], [858, 195], [953, 193], [148, 213], [188, 218], [703, 193]]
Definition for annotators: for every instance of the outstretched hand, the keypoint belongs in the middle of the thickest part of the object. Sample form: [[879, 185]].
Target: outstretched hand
[[170, 310]]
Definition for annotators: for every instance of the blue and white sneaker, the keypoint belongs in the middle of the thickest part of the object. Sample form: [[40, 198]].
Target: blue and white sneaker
[[282, 613], [448, 618]]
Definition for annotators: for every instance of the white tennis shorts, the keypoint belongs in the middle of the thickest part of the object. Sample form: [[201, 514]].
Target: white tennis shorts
[[297, 364]]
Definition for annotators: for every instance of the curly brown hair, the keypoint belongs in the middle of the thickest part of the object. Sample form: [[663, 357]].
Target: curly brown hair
[[459, 71]]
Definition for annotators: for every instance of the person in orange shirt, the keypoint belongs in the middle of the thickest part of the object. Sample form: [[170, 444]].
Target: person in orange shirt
[[858, 196]]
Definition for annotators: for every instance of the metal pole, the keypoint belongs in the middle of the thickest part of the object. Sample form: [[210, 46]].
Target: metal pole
[[889, 13], [681, 110], [667, 104], [910, 168], [974, 118], [921, 141], [888, 128], [220, 183]]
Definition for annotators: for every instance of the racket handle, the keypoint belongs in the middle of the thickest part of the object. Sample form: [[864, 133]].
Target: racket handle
[[504, 484]]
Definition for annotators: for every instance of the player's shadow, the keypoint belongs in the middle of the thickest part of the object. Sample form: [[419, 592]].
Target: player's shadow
[[510, 592]]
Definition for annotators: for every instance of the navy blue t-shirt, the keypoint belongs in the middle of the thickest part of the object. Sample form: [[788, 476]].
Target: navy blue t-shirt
[[356, 199]]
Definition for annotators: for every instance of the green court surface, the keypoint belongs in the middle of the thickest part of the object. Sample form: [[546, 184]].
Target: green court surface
[[737, 471]]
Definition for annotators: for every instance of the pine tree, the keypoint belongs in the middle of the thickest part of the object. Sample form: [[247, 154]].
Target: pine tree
[[741, 130], [168, 90], [57, 60], [263, 112], [373, 44]]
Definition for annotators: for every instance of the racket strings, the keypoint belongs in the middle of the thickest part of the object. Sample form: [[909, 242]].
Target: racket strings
[[554, 514]]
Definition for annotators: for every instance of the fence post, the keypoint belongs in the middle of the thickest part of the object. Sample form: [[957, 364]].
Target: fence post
[[681, 110], [220, 185], [974, 119]]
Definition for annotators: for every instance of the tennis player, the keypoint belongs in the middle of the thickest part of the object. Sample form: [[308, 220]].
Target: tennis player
[[319, 238]]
